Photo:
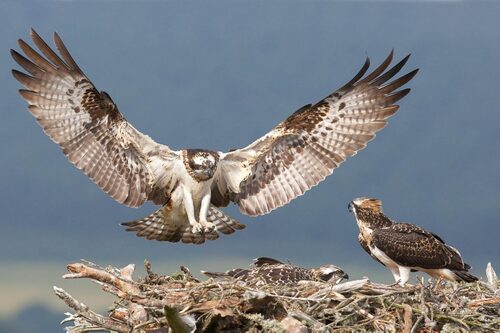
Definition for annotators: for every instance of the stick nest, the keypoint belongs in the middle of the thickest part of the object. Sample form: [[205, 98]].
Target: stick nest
[[182, 303]]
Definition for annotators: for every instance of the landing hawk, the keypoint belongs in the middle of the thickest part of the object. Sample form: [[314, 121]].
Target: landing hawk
[[191, 184], [404, 247], [273, 272]]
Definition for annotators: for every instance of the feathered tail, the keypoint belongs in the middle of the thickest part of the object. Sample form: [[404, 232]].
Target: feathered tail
[[459, 267], [165, 225], [234, 273], [465, 276]]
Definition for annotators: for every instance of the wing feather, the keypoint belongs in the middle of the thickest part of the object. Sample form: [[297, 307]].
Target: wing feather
[[310, 144], [88, 127], [412, 246]]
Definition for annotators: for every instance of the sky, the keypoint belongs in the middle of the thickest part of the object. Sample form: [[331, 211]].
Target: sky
[[220, 74]]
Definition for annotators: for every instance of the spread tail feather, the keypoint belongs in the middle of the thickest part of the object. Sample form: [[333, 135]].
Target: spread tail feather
[[157, 226], [215, 274], [223, 223], [234, 273], [162, 226]]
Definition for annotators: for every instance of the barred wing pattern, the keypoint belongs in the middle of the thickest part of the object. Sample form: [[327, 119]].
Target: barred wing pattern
[[269, 273], [412, 246], [86, 124], [267, 270], [310, 144]]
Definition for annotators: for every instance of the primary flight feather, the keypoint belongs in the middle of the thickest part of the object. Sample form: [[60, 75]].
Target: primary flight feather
[[191, 184]]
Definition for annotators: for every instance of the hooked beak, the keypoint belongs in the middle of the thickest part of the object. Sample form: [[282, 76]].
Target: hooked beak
[[350, 207], [209, 173]]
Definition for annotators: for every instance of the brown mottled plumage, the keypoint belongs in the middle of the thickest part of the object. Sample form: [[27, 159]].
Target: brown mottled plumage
[[404, 247], [274, 272], [132, 168]]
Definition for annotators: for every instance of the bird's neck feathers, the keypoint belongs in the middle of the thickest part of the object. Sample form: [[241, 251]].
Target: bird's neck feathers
[[372, 219]]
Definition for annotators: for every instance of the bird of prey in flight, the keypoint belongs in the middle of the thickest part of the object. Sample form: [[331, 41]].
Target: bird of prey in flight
[[192, 184], [273, 272], [404, 247]]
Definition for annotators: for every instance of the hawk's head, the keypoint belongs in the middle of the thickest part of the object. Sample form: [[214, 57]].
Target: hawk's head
[[329, 272], [368, 213], [373, 205], [201, 164]]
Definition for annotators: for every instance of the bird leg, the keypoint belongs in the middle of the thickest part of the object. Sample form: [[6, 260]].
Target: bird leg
[[196, 227], [438, 282], [395, 274], [404, 273], [205, 203]]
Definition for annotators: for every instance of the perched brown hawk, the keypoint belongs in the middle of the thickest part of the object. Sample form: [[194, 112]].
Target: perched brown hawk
[[191, 184], [404, 247], [273, 272]]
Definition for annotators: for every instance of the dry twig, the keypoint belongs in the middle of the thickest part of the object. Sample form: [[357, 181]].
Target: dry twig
[[181, 303]]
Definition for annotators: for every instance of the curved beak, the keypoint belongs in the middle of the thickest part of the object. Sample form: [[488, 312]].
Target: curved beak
[[350, 207], [209, 173]]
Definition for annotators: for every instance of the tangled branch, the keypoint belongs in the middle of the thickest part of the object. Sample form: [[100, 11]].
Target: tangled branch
[[181, 303]]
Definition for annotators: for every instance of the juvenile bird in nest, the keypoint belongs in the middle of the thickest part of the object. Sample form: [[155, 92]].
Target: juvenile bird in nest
[[274, 272], [404, 247]]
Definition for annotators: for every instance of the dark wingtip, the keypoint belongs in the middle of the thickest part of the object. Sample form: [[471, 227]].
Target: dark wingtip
[[412, 74], [14, 53], [128, 225], [16, 73], [403, 93], [391, 55], [56, 36], [367, 63], [35, 35], [358, 76], [16, 56], [24, 46], [390, 87], [25, 93], [405, 59]]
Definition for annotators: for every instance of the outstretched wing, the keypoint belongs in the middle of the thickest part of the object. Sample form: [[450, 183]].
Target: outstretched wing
[[412, 246], [87, 125], [310, 144]]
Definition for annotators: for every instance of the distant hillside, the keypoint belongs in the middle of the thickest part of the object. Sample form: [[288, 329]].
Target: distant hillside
[[35, 318]]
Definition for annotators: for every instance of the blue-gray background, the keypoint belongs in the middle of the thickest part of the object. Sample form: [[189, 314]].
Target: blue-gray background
[[220, 74]]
